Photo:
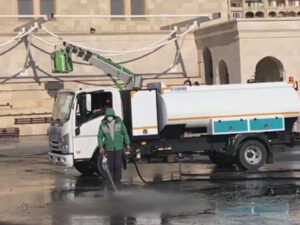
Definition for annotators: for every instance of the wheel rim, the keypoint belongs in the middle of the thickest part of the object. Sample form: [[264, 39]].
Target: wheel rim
[[253, 155]]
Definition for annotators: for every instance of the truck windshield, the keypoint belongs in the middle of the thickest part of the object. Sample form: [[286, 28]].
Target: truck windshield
[[62, 107]]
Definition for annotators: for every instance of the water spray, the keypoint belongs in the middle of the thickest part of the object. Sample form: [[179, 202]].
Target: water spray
[[106, 169]]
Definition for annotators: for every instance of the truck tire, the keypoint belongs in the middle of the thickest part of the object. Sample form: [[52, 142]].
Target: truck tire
[[221, 160], [98, 166], [251, 155], [84, 168]]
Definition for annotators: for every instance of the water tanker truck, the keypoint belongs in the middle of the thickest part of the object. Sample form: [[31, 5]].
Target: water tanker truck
[[242, 124]]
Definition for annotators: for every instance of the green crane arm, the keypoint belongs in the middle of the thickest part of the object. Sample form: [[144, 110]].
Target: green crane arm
[[111, 68]]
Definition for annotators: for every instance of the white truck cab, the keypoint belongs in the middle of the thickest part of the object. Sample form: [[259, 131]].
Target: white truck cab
[[76, 117]]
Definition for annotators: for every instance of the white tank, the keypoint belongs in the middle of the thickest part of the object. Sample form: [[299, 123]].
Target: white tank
[[195, 106]]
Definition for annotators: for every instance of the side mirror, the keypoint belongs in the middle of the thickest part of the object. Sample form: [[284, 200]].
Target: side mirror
[[77, 131]]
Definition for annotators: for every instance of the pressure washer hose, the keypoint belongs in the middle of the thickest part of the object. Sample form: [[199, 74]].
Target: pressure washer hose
[[206, 177], [139, 173]]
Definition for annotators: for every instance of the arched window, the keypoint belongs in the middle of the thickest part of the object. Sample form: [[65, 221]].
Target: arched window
[[249, 15], [269, 69], [236, 3], [291, 14], [223, 72], [281, 14], [208, 66], [272, 14], [259, 14]]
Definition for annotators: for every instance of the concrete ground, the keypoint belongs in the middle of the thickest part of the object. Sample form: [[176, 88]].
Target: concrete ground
[[33, 191]]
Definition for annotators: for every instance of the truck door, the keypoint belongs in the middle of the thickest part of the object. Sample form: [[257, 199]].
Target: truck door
[[90, 109]]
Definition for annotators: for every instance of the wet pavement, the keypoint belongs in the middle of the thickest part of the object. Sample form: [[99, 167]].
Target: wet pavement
[[33, 191]]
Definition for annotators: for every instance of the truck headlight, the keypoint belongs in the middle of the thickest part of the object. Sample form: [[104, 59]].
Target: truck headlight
[[65, 144]]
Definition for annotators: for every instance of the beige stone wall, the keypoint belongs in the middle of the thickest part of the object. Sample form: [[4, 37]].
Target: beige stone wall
[[222, 41], [275, 38], [102, 7]]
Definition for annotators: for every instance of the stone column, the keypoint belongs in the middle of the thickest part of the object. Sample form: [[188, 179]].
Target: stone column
[[266, 7], [36, 7], [244, 7]]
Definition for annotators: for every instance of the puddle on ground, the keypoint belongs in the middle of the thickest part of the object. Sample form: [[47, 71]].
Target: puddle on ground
[[86, 200]]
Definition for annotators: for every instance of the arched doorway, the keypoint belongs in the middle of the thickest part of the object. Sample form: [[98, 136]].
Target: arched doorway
[[208, 66], [269, 69], [291, 14], [223, 73], [281, 14], [272, 14], [259, 14], [298, 13], [249, 15]]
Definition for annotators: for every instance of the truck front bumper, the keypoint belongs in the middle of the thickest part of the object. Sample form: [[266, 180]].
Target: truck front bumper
[[66, 160]]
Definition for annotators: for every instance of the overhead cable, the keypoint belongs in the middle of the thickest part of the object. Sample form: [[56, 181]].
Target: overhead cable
[[149, 47], [11, 40], [43, 41], [152, 46]]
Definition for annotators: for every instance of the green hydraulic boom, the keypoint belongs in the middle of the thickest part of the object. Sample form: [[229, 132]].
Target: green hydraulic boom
[[63, 64]]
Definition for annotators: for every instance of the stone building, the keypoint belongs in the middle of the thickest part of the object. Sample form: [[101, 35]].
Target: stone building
[[241, 50], [232, 49], [264, 8]]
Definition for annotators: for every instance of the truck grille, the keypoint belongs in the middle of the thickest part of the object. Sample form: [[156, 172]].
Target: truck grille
[[55, 146]]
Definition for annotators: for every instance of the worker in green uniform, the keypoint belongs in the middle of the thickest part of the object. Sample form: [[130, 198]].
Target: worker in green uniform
[[112, 140]]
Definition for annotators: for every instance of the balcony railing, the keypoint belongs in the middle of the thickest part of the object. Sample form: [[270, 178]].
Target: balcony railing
[[237, 14], [235, 4]]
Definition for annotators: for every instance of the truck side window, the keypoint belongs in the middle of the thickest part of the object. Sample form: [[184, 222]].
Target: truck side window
[[92, 105]]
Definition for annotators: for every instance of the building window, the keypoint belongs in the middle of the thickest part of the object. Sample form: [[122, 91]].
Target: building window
[[47, 7], [237, 14], [137, 7], [25, 7], [294, 2], [236, 3], [117, 7], [255, 3]]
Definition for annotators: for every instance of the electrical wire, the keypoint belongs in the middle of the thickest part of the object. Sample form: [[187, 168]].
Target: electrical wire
[[175, 62], [87, 64], [12, 40], [113, 53], [182, 36], [141, 57], [44, 41], [154, 45], [151, 46]]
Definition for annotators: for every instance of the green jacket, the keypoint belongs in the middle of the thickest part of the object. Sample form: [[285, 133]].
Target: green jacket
[[120, 134]]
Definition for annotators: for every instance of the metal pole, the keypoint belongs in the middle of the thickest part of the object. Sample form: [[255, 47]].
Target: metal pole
[[180, 166]]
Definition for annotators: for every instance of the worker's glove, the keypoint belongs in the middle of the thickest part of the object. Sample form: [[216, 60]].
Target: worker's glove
[[102, 151]]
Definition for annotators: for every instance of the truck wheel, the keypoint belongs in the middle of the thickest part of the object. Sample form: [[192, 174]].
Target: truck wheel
[[98, 165], [84, 168], [222, 160], [251, 155]]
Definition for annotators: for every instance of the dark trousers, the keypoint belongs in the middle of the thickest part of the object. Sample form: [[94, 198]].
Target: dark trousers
[[115, 163]]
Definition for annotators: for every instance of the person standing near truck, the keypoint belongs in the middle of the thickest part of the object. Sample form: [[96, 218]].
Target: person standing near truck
[[112, 139]]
